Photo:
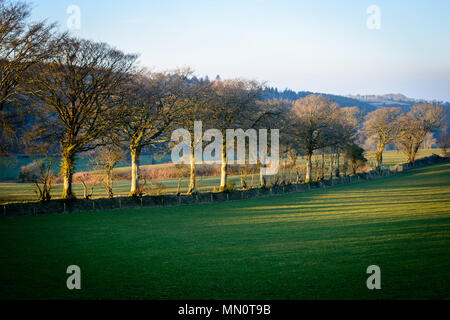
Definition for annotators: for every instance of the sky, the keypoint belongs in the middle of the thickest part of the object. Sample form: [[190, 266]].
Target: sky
[[325, 46]]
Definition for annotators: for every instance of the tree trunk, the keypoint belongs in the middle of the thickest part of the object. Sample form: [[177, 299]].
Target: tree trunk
[[109, 183], [67, 168], [308, 167], [322, 169], [414, 152], [331, 164], [262, 178], [135, 160], [244, 181], [192, 184], [408, 152], [85, 190], [338, 172], [178, 186], [380, 149], [224, 169]]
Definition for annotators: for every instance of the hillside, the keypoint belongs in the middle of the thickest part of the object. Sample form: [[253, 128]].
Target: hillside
[[287, 94]]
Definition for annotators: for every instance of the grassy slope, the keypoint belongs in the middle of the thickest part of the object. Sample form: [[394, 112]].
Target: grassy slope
[[25, 191], [309, 245]]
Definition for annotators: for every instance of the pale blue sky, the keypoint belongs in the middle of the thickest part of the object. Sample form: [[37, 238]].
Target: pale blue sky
[[321, 46]]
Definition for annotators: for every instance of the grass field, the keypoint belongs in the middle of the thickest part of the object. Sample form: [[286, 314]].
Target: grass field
[[312, 245], [11, 191]]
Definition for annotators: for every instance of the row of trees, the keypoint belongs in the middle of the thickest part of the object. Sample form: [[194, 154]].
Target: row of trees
[[86, 94], [83, 95], [406, 130]]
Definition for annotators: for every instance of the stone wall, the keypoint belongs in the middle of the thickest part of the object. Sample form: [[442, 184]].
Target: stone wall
[[80, 205]]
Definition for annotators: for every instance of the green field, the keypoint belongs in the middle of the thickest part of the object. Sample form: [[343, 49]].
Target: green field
[[12, 191], [311, 245]]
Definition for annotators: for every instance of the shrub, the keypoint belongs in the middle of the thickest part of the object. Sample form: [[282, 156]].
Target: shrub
[[39, 172], [355, 154], [277, 180], [157, 189], [228, 188]]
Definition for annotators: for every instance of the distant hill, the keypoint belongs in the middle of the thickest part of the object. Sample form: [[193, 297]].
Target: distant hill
[[394, 100], [287, 94], [387, 97], [367, 103]]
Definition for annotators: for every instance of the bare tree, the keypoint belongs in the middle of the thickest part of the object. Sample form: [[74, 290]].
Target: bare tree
[[42, 175], [77, 88], [22, 45], [311, 125], [106, 159], [197, 98], [415, 125], [234, 105], [346, 131], [151, 104], [88, 181], [383, 125], [342, 132], [443, 141]]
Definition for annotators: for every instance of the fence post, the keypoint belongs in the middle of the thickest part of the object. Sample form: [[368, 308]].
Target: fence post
[[4, 210], [212, 197], [141, 202], [228, 197], [64, 207], [120, 204]]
